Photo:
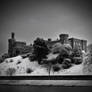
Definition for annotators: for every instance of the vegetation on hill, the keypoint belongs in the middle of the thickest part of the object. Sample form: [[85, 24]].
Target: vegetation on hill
[[40, 50], [64, 56], [88, 60], [3, 57]]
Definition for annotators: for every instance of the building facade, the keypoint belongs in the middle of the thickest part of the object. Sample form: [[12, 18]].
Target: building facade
[[82, 44], [17, 47], [74, 42]]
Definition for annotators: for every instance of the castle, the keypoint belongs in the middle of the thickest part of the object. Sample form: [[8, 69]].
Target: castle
[[74, 42], [16, 47]]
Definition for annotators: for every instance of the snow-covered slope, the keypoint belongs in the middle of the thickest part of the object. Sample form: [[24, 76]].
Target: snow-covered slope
[[26, 67], [22, 66]]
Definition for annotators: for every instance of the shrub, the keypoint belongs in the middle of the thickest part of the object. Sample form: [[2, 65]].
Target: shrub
[[6, 61], [17, 67], [11, 71], [77, 52], [29, 70], [11, 60], [4, 56], [62, 55], [1, 60], [56, 68], [32, 57], [59, 59], [18, 62], [68, 48], [77, 60], [88, 59], [66, 63], [56, 48], [24, 56], [40, 50], [45, 61], [53, 61]]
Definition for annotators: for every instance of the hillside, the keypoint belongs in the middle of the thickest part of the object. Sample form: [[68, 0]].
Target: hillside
[[23, 66]]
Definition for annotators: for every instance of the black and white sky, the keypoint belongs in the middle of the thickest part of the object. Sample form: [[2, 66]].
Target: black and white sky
[[30, 19]]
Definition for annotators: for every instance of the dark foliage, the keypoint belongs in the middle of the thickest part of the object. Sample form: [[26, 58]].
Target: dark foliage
[[3, 57], [1, 60], [56, 68], [24, 56], [52, 61], [76, 56], [66, 63], [18, 62], [59, 59], [32, 57], [29, 70], [11, 60], [40, 50], [77, 52], [61, 56], [44, 61], [10, 71], [77, 60]]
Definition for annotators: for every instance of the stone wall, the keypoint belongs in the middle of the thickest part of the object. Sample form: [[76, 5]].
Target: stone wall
[[82, 44]]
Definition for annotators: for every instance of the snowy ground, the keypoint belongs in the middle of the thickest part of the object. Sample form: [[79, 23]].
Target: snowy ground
[[48, 82], [21, 65]]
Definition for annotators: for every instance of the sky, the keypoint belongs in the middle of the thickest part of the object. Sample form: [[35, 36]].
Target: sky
[[30, 19]]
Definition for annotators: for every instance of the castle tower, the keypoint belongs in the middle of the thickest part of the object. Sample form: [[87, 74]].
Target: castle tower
[[64, 38], [12, 35], [11, 44]]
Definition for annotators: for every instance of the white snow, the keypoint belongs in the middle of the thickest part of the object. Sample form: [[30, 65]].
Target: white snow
[[51, 56], [21, 65], [74, 70]]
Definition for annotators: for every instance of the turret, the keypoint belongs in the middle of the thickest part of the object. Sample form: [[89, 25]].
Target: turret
[[11, 45], [64, 38]]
